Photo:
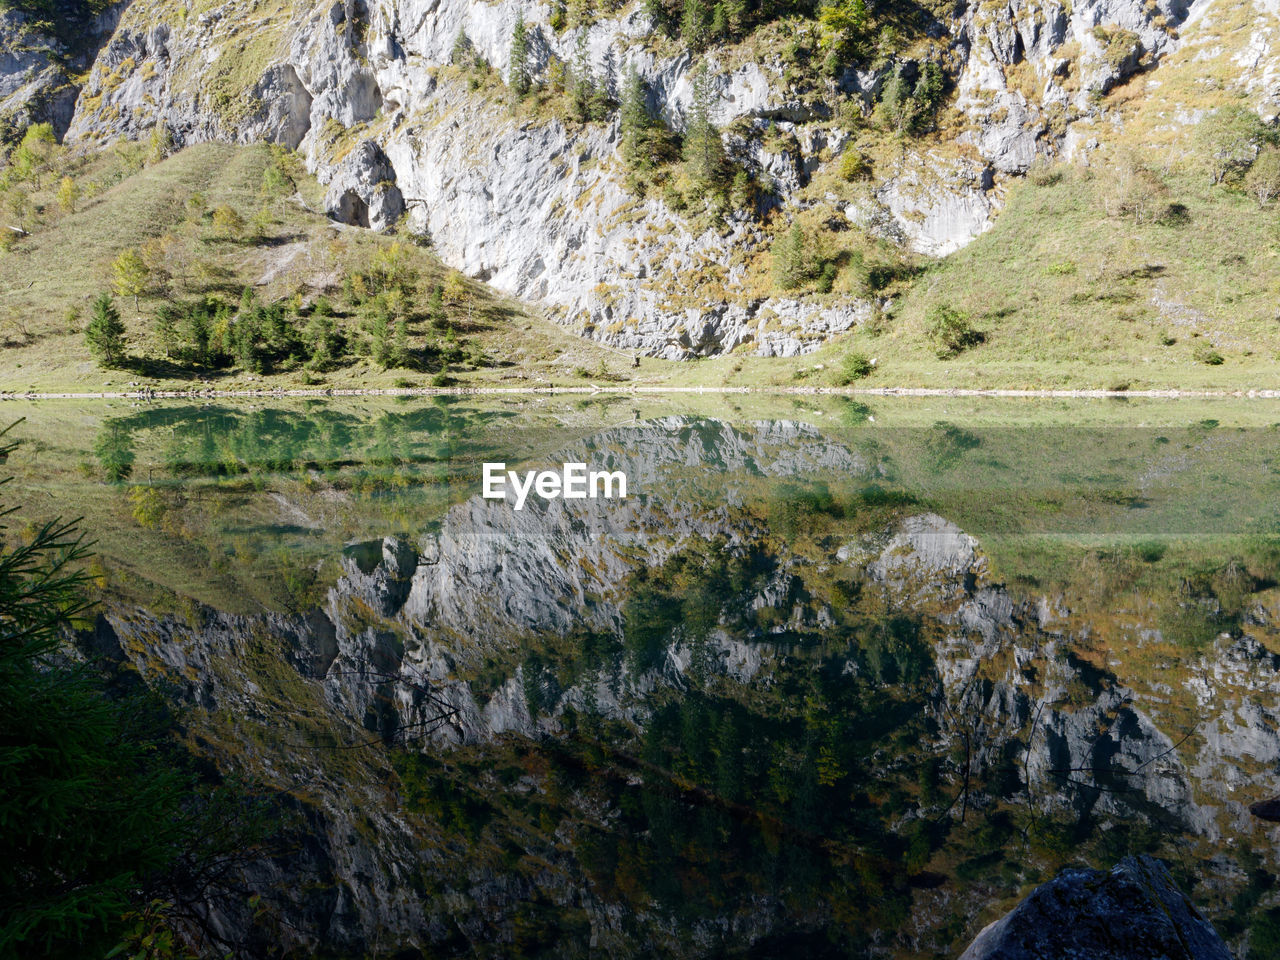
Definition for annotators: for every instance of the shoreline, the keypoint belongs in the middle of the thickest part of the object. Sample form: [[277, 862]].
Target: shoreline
[[589, 390]]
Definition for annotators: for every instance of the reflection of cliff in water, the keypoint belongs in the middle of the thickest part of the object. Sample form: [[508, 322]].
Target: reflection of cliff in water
[[771, 699]]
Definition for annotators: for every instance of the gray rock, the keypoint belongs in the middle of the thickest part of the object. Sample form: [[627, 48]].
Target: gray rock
[[363, 191], [34, 86], [1132, 912]]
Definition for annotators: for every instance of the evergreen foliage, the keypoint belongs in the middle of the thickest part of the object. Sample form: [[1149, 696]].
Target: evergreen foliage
[[463, 53], [792, 260], [105, 334], [703, 148], [646, 144], [518, 68], [111, 843]]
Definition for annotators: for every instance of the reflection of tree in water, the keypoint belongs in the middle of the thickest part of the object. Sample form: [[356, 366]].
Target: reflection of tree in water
[[947, 444], [226, 441], [114, 450]]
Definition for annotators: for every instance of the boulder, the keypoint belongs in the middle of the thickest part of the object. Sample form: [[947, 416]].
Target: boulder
[[363, 191], [1132, 912]]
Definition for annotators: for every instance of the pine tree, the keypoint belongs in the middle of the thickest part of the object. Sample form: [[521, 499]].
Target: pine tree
[[695, 25], [584, 93], [399, 356], [736, 14], [105, 333], [791, 262], [703, 149], [463, 53], [719, 21], [518, 69], [635, 120]]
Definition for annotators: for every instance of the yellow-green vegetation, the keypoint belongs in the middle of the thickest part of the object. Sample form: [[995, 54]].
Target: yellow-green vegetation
[[181, 240], [1116, 277]]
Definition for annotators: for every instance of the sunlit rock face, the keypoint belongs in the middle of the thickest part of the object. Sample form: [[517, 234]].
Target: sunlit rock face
[[540, 207]]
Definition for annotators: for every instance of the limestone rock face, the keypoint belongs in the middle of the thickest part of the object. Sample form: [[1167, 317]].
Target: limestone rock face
[[540, 208], [363, 192], [1132, 912], [37, 70]]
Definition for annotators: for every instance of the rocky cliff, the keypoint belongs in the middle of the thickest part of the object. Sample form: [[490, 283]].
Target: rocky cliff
[[540, 204]]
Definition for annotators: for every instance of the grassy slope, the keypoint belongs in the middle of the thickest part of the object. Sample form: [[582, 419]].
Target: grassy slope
[[1063, 292], [67, 261], [1068, 296]]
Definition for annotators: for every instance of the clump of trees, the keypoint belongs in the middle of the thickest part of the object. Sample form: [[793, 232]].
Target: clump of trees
[[693, 170], [647, 145], [798, 261], [381, 308], [700, 23], [909, 107]]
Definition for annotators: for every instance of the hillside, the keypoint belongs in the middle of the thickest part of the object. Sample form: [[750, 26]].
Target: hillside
[[985, 195]]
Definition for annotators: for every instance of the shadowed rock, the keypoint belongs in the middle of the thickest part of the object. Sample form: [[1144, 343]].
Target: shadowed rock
[[1132, 912], [1267, 809]]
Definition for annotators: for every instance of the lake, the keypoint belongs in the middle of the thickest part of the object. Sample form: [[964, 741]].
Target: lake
[[835, 678]]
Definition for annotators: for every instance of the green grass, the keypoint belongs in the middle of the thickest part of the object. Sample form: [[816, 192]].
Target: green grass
[[67, 261], [1066, 296]]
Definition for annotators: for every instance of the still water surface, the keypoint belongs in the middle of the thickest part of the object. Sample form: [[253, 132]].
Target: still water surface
[[838, 678]]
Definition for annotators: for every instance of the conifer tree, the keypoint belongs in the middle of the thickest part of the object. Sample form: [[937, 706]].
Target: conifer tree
[[400, 344], [518, 69], [583, 90], [736, 14], [703, 149], [635, 120], [695, 24], [105, 333], [463, 53], [791, 262]]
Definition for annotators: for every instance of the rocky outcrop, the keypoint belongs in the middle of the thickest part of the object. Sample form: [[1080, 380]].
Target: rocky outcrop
[[38, 70], [34, 87], [1132, 912], [363, 191], [1031, 69]]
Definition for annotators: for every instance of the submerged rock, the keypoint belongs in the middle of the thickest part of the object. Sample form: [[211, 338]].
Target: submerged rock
[[1132, 912]]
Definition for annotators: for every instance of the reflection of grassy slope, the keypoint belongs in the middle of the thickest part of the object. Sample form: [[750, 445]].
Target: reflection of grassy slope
[[220, 500], [365, 470]]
